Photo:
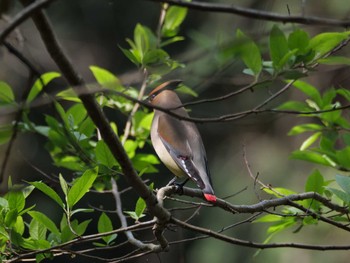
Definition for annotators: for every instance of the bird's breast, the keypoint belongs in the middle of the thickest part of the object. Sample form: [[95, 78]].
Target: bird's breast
[[163, 153]]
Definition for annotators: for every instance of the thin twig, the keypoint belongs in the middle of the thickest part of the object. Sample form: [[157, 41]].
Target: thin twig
[[139, 244], [22, 16], [257, 14], [128, 124], [251, 244]]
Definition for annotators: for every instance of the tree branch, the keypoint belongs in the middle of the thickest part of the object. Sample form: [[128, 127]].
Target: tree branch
[[29, 10], [251, 244], [256, 14], [137, 243]]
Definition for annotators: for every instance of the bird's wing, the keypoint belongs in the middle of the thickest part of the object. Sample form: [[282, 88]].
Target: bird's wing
[[173, 132]]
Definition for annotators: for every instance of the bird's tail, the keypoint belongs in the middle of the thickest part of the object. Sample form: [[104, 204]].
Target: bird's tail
[[208, 193]]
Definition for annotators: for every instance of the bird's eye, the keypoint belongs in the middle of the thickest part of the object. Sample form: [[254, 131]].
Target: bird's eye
[[152, 97]]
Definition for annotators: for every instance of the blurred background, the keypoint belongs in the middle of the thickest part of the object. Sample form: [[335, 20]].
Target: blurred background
[[91, 31]]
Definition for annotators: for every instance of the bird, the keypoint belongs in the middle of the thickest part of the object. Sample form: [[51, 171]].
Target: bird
[[177, 142]]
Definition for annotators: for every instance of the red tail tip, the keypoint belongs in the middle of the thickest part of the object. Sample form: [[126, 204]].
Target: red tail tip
[[210, 198]]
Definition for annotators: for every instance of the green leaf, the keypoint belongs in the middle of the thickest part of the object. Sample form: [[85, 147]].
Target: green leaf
[[144, 40], [16, 200], [105, 225], [48, 191], [6, 94], [81, 228], [130, 148], [309, 141], [315, 183], [140, 207], [81, 186], [345, 197], [298, 39], [146, 121], [104, 155], [63, 184], [106, 79], [77, 112], [11, 217], [40, 83], [4, 203], [344, 182], [5, 133], [325, 42], [345, 93], [305, 128], [249, 53], [69, 95], [313, 157], [40, 217], [268, 219], [173, 19], [19, 225], [278, 46], [294, 105], [37, 230], [343, 157], [309, 90], [131, 56], [279, 191], [171, 40]]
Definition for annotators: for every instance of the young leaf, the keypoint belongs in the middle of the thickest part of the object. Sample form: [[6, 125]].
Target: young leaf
[[344, 182], [106, 79], [345, 197], [298, 39], [315, 183], [37, 230], [104, 155], [45, 221], [305, 128], [105, 225], [81, 186], [16, 200], [81, 228], [63, 184], [11, 217], [6, 94], [312, 157], [309, 141], [309, 90], [173, 19], [325, 42], [278, 46], [249, 52], [41, 83], [140, 207], [48, 191], [343, 157]]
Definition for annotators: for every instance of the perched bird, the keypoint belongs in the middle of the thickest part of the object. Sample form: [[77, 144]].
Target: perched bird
[[177, 142]]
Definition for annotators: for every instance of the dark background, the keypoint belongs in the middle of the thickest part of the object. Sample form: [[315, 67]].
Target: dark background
[[91, 32]]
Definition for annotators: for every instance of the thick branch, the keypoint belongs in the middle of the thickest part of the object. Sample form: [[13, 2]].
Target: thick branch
[[257, 14]]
